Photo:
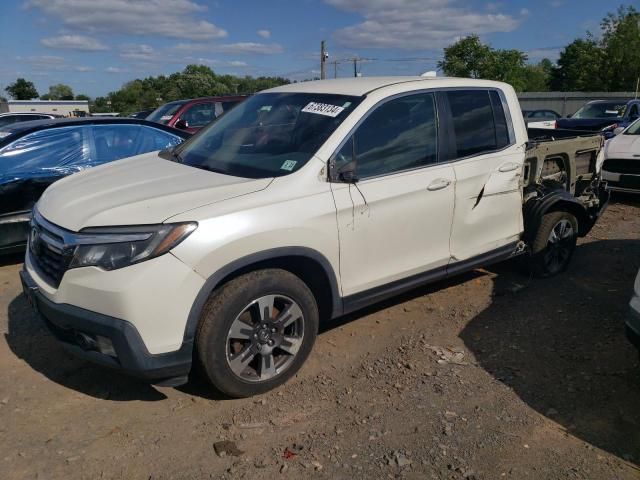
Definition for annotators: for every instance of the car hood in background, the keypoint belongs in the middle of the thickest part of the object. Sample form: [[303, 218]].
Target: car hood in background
[[591, 124], [624, 146], [139, 190]]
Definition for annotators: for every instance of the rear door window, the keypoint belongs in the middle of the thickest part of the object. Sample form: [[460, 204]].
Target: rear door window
[[479, 121]]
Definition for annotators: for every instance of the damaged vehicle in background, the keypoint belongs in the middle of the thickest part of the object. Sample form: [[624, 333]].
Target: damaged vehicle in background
[[303, 203], [35, 154]]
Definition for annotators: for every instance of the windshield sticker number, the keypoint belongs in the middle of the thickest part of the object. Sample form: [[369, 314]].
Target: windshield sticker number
[[323, 109], [288, 165]]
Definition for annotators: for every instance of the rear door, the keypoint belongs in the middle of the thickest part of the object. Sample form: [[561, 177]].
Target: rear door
[[488, 169]]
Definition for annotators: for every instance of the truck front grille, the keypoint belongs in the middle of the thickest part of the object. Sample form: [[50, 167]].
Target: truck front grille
[[622, 165], [49, 254]]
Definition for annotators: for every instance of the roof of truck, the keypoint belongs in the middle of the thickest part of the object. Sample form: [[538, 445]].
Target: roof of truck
[[358, 86]]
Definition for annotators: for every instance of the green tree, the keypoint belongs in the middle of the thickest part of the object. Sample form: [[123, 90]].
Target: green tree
[[22, 89], [82, 96], [468, 57], [620, 46], [537, 77], [579, 67], [59, 91], [193, 81]]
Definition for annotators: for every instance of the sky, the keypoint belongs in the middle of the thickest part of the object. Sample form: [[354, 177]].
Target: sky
[[97, 45]]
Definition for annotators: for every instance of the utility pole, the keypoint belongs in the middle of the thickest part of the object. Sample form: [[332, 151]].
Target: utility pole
[[323, 61], [355, 67]]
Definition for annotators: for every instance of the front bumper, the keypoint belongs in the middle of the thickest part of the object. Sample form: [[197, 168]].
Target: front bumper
[[622, 182], [76, 327]]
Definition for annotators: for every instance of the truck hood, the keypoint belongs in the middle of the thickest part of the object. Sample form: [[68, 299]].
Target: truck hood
[[624, 146], [145, 189]]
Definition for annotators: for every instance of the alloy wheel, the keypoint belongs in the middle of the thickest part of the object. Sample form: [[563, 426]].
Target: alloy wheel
[[264, 338]]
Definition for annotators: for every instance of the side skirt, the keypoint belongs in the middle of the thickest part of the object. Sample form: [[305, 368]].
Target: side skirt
[[360, 300]]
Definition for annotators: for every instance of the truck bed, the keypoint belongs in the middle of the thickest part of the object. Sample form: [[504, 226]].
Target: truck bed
[[566, 159]]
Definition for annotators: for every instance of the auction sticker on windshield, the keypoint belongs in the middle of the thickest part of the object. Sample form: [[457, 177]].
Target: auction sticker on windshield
[[323, 109]]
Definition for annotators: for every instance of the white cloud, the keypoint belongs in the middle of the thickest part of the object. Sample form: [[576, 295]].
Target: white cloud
[[238, 63], [73, 42], [83, 68], [115, 70], [524, 11], [166, 18], [264, 33], [556, 3], [231, 48], [41, 60], [415, 24], [139, 52], [249, 47]]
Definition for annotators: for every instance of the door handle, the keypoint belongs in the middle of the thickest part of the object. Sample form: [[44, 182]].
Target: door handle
[[508, 167], [439, 184]]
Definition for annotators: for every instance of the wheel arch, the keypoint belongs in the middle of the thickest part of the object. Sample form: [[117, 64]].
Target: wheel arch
[[309, 265], [558, 200]]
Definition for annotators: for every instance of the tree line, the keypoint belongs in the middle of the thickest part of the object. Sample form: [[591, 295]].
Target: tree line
[[147, 93], [607, 62]]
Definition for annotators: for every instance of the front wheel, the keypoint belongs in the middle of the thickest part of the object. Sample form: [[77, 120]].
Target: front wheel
[[554, 244], [256, 332]]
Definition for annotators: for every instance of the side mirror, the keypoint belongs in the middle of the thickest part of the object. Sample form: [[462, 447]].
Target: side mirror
[[569, 116], [182, 124], [347, 173], [618, 130]]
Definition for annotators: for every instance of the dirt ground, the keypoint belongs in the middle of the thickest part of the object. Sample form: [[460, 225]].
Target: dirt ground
[[491, 375]]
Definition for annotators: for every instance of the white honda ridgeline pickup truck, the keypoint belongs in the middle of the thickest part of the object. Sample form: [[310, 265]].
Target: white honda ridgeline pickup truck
[[303, 203]]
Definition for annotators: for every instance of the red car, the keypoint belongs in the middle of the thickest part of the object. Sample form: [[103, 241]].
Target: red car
[[192, 115]]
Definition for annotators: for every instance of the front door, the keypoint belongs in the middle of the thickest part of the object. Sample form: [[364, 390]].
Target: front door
[[395, 221]]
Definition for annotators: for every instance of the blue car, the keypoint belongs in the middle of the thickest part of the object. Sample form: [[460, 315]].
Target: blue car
[[35, 154], [602, 115]]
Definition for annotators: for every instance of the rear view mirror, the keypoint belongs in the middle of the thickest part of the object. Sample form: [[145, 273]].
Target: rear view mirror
[[181, 124]]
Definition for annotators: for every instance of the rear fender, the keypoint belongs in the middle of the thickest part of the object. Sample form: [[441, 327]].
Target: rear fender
[[557, 200]]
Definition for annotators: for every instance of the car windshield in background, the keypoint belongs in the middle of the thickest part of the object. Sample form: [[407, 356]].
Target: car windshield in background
[[165, 112], [634, 128], [268, 135], [601, 110]]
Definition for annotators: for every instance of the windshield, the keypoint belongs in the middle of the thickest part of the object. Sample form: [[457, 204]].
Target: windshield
[[601, 110], [165, 112], [268, 135], [634, 128]]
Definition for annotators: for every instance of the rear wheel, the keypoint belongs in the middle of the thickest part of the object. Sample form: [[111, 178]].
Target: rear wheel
[[554, 244], [256, 332]]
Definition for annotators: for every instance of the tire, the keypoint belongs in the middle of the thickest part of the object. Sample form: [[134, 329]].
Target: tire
[[256, 331], [554, 244]]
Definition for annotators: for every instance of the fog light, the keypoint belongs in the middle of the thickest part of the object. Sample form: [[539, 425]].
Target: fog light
[[105, 346]]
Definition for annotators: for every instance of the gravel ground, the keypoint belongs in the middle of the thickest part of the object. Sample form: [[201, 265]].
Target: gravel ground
[[491, 375]]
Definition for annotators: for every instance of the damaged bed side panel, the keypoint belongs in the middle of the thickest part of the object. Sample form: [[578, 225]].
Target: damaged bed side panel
[[564, 173]]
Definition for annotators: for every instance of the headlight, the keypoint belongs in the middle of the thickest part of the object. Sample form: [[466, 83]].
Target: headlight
[[116, 247]]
